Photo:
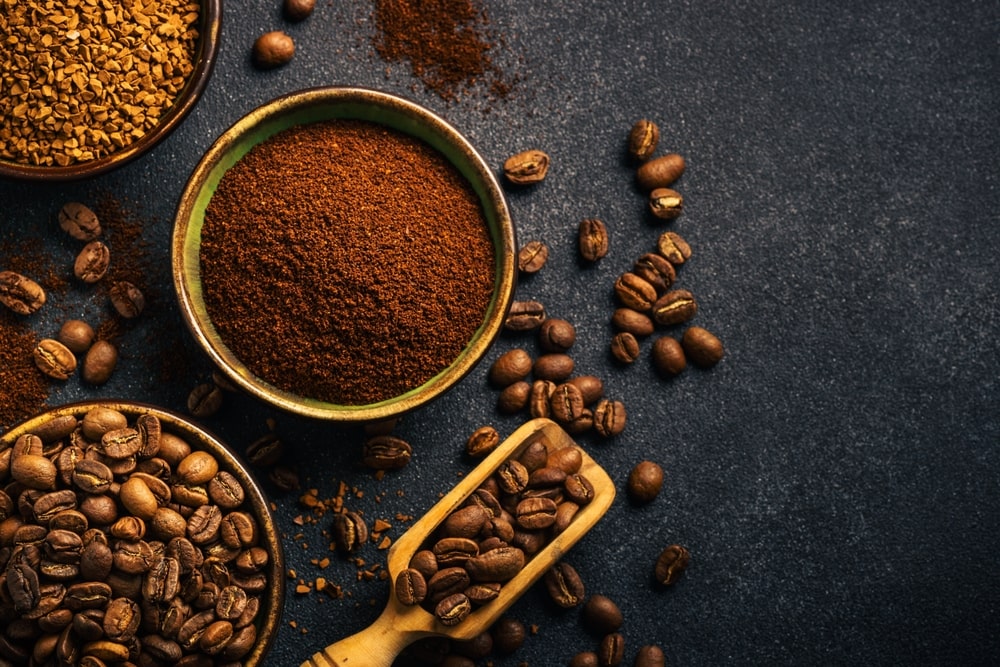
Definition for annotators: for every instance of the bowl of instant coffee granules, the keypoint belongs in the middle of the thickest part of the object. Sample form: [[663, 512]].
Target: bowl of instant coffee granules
[[143, 534], [344, 254], [86, 87]]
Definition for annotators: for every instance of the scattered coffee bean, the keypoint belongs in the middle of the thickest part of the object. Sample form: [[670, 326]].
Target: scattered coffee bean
[[532, 257], [671, 564], [127, 299], [79, 222], [591, 387], [566, 403], [482, 441], [673, 248], [666, 204], [668, 356], [527, 167], [54, 359], [99, 363], [609, 417], [410, 587], [510, 367], [584, 659], [349, 531], [77, 335], [525, 316], [656, 270], [642, 139], [611, 652], [539, 400], [632, 321], [514, 398], [650, 656], [660, 172], [92, 262], [644, 482], [298, 10], [674, 307], [19, 293], [564, 585], [508, 635], [386, 452], [273, 49], [592, 239], [554, 367], [204, 400], [601, 615], [284, 478], [702, 347], [266, 450], [624, 347], [634, 292], [556, 335]]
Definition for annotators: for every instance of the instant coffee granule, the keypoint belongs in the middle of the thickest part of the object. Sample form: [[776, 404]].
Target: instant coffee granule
[[345, 261]]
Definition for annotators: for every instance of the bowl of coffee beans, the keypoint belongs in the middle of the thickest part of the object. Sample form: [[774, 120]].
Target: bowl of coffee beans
[[88, 87], [132, 536], [344, 254]]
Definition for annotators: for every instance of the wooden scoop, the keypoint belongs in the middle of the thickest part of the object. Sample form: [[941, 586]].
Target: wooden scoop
[[400, 625]]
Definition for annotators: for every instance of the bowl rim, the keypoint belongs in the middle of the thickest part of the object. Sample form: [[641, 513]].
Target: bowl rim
[[255, 498], [349, 101], [206, 54]]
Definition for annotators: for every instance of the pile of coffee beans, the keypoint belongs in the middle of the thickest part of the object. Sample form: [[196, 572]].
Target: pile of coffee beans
[[479, 547], [122, 542]]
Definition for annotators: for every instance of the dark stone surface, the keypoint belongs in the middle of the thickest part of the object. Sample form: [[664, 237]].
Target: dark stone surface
[[836, 477]]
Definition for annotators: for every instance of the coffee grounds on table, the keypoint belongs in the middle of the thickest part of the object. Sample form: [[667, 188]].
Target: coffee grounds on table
[[345, 261]]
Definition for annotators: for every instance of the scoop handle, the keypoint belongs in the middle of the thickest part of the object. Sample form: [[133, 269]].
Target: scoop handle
[[378, 645]]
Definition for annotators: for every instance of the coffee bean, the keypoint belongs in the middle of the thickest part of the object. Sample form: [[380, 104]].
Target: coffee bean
[[702, 347], [644, 482], [481, 592], [535, 513], [455, 551], [508, 635], [121, 620], [204, 400], [564, 585], [349, 531], [266, 450], [624, 347], [524, 316], [642, 139], [609, 417], [273, 49], [510, 367], [634, 292], [453, 609], [284, 478], [668, 356], [632, 321], [532, 257], [386, 452], [650, 656], [465, 522], [100, 420], [660, 172], [527, 167], [226, 491], [34, 471], [127, 299], [666, 204], [425, 563], [611, 651], [137, 498], [482, 441], [79, 221], [655, 269], [566, 403], [514, 398], [674, 307], [593, 240], [584, 659], [534, 457], [673, 248], [556, 335], [670, 564], [410, 586], [19, 293], [198, 467], [54, 359], [92, 262], [591, 387], [578, 489], [553, 366], [512, 476], [99, 363], [539, 399], [567, 459], [601, 615], [565, 512], [446, 582], [298, 10], [496, 565]]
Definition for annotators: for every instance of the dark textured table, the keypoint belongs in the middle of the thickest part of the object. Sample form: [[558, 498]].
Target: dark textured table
[[836, 477]]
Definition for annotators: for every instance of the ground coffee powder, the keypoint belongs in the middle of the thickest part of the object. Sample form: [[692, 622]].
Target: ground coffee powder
[[345, 261]]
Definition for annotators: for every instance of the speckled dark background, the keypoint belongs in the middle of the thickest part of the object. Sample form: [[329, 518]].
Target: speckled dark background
[[836, 477]]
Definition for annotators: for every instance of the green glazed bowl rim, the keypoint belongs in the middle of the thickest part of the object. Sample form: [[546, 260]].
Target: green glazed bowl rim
[[314, 105], [210, 28], [199, 438]]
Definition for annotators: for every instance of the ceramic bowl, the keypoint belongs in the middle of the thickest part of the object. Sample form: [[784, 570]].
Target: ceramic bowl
[[209, 28], [317, 105], [269, 616]]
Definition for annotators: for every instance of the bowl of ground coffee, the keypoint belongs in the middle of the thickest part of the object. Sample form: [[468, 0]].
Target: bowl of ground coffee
[[86, 87], [344, 254], [130, 534]]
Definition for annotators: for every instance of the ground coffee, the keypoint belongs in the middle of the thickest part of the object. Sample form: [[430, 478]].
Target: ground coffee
[[345, 261]]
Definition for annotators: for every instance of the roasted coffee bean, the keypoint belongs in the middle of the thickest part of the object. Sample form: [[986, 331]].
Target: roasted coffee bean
[[660, 172], [539, 399], [532, 257], [601, 615], [284, 478], [120, 443], [556, 335], [63, 546], [204, 400], [499, 565], [546, 477], [411, 587], [584, 659], [465, 522], [634, 292], [565, 512], [172, 448], [512, 476], [673, 248], [99, 509], [386, 452], [99, 363], [425, 563], [22, 585], [625, 347], [54, 359], [70, 520], [566, 403], [79, 221], [534, 457], [482, 441], [568, 459], [514, 398], [609, 417], [670, 564], [527, 167], [77, 335], [611, 651], [226, 491], [674, 307], [34, 471], [133, 557], [642, 139], [215, 637], [632, 321], [56, 428], [188, 495], [668, 356], [553, 366], [591, 387], [96, 561], [92, 262], [510, 367], [508, 635], [87, 595], [702, 347], [485, 499], [51, 504], [650, 656], [273, 49], [453, 609], [349, 531], [121, 620], [536, 513], [593, 240], [479, 593], [666, 204], [298, 10], [564, 585], [162, 649], [230, 603], [238, 530], [167, 524], [19, 293], [203, 525], [656, 270], [454, 551], [447, 581], [578, 489], [266, 450], [644, 482], [524, 316]]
